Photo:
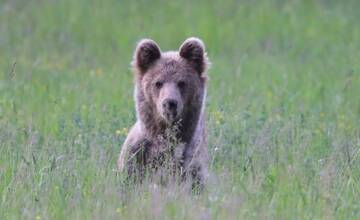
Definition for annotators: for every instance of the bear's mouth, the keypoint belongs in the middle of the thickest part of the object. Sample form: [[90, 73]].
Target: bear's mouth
[[170, 116]]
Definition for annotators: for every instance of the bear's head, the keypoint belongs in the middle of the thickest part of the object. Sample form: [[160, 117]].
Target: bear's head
[[171, 83]]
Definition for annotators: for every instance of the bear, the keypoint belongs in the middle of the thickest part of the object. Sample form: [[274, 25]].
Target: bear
[[170, 92]]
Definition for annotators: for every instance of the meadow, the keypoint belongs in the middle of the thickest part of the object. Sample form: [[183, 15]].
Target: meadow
[[283, 108]]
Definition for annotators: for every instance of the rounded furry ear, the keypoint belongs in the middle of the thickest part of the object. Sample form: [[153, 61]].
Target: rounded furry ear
[[146, 53], [193, 50]]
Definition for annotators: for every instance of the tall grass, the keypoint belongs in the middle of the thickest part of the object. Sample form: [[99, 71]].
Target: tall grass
[[283, 108]]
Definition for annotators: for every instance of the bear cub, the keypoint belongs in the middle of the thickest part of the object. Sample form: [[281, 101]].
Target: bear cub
[[169, 136]]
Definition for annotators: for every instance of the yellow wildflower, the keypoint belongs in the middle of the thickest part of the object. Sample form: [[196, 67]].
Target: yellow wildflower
[[123, 131], [218, 117], [99, 72]]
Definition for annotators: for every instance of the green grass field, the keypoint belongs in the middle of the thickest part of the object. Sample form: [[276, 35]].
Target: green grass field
[[283, 108]]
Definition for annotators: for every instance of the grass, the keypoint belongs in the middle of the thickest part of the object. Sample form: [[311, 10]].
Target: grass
[[283, 108]]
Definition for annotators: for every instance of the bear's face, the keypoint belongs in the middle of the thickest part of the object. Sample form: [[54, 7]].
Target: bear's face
[[171, 81]]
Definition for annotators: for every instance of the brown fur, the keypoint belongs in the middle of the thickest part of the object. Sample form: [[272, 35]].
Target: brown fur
[[170, 90]]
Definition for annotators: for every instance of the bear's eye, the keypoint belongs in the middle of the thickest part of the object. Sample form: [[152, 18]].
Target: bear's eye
[[158, 84], [181, 84]]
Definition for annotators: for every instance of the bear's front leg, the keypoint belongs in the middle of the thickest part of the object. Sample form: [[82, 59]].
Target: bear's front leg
[[195, 165], [131, 144]]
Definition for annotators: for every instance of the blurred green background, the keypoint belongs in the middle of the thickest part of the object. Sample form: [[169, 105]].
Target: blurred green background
[[283, 108]]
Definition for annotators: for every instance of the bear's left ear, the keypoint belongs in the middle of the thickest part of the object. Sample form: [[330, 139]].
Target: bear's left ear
[[146, 53], [193, 50]]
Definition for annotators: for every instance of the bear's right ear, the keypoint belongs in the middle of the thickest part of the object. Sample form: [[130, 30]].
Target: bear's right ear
[[146, 53], [193, 50]]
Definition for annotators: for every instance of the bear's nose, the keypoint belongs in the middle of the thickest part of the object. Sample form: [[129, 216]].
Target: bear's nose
[[170, 104]]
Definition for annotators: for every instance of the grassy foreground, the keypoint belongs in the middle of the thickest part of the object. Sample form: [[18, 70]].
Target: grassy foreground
[[283, 108]]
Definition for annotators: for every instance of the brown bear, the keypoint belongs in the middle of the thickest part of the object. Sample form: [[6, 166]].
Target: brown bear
[[170, 90]]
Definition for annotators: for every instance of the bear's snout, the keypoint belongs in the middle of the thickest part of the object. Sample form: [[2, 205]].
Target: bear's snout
[[170, 108], [170, 105]]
